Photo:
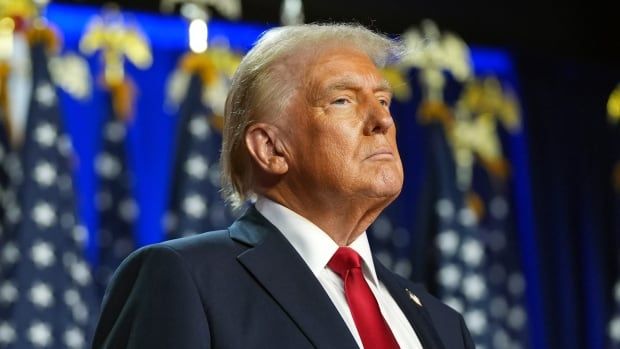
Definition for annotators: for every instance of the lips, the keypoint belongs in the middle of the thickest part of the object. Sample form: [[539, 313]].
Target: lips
[[381, 154]]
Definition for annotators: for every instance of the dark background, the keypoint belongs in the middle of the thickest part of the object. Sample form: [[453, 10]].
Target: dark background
[[583, 30]]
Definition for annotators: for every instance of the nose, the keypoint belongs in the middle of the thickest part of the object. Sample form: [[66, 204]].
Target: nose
[[379, 119]]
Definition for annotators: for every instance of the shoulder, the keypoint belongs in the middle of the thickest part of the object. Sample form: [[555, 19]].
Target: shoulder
[[178, 257], [154, 301], [186, 248]]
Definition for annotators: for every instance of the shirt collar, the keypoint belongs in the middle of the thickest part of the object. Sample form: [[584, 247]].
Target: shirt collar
[[314, 246]]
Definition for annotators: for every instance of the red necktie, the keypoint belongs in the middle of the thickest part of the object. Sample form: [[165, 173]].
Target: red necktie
[[371, 325]]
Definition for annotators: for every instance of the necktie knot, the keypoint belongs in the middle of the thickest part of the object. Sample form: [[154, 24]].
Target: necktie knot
[[344, 260]]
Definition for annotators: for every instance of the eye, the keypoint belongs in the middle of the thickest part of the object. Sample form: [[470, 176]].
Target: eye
[[384, 102], [341, 101]]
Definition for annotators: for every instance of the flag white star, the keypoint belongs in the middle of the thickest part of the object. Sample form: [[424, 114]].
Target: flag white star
[[402, 267], [516, 284], [107, 166], [196, 166], [497, 274], [8, 292], [80, 272], [65, 183], [194, 206], [7, 333], [382, 228], [454, 303], [80, 313], [614, 329], [445, 209], [385, 258], [72, 297], [41, 295], [115, 131], [45, 134], [44, 174], [13, 166], [103, 200], [42, 254], [64, 145], [13, 213], [67, 220], [214, 175], [476, 321], [80, 234], [40, 334], [128, 209], [467, 217], [497, 240], [401, 237], [68, 259], [499, 207], [501, 339], [74, 338], [449, 276], [170, 221], [45, 94], [10, 253], [199, 126], [122, 247], [43, 214], [499, 307], [448, 242], [473, 286], [517, 317], [472, 252]]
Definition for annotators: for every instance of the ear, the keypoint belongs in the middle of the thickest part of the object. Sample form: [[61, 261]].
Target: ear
[[265, 148]]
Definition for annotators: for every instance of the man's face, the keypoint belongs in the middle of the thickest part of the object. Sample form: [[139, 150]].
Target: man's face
[[342, 138]]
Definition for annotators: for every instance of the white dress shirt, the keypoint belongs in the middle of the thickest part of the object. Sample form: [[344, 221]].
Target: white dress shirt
[[316, 248]]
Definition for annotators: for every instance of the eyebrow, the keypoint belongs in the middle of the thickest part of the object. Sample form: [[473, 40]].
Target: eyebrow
[[349, 83]]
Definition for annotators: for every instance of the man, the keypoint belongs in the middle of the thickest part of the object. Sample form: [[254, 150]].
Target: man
[[308, 132]]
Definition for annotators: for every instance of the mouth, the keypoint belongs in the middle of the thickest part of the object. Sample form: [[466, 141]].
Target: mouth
[[381, 154]]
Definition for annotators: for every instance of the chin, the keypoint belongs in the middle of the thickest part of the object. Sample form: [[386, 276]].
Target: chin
[[389, 184], [386, 192]]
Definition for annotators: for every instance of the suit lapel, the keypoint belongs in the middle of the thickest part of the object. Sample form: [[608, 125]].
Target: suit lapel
[[281, 271], [418, 316]]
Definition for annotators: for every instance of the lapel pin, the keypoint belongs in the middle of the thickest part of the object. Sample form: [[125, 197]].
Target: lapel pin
[[413, 297]]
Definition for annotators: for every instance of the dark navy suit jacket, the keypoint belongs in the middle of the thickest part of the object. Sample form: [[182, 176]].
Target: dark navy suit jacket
[[245, 287]]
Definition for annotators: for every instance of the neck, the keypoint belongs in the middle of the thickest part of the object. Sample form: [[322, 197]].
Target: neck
[[342, 220]]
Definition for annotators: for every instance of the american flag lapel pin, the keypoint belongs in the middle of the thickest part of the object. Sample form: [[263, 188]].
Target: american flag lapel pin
[[413, 297]]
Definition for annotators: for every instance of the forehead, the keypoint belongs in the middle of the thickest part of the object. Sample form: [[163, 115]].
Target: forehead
[[341, 67]]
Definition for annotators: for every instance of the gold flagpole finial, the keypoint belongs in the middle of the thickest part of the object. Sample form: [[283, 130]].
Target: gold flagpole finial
[[215, 64], [117, 41]]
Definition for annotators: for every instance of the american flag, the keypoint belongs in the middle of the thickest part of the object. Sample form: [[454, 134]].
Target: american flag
[[4, 177], [47, 298], [478, 271], [195, 202], [115, 203]]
